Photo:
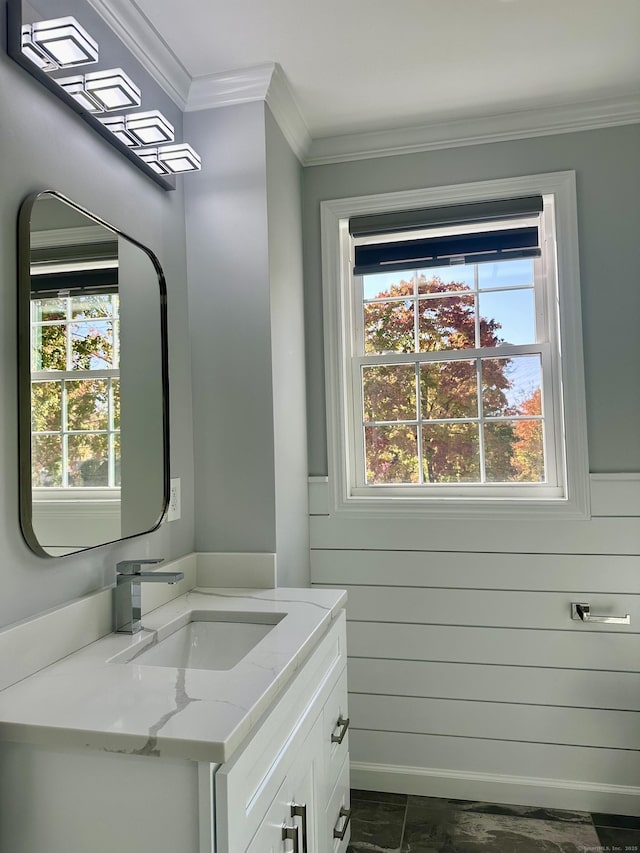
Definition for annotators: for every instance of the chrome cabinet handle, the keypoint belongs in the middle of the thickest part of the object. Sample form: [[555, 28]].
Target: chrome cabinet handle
[[343, 725], [584, 614], [300, 810], [340, 833], [290, 833]]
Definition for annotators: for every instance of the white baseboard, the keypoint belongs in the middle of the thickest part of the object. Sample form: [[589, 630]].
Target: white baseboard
[[493, 788]]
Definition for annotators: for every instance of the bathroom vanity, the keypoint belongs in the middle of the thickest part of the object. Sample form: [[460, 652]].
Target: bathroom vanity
[[221, 728]]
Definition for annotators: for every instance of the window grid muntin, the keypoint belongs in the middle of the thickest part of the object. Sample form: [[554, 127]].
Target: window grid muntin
[[540, 347], [481, 419]]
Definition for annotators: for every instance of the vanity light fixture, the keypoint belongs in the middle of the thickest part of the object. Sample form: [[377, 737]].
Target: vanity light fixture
[[65, 42], [34, 53], [113, 89], [150, 157], [75, 87], [150, 128], [118, 126], [52, 45], [179, 158]]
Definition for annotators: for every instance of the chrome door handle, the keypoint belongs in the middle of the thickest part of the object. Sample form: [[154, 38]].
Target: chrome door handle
[[582, 612], [300, 810], [343, 725], [290, 833], [340, 833]]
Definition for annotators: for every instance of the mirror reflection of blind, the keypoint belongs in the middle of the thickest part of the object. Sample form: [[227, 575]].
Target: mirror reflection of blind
[[480, 245], [82, 270]]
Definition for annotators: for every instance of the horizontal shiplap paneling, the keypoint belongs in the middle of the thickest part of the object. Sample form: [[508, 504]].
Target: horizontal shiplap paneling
[[538, 761], [597, 536], [497, 720], [615, 494], [490, 608], [545, 572], [489, 683], [467, 673], [503, 646]]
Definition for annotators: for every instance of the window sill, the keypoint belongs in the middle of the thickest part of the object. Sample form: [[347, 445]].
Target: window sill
[[461, 508]]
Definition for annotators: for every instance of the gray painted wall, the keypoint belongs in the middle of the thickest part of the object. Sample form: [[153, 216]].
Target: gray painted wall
[[608, 182], [284, 209], [45, 146], [422, 705], [244, 241], [228, 270]]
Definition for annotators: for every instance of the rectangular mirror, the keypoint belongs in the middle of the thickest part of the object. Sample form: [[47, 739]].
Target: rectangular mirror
[[93, 380]]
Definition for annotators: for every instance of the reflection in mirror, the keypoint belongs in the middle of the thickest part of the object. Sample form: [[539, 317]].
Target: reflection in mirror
[[93, 380]]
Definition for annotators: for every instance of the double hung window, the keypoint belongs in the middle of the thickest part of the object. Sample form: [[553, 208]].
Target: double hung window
[[450, 379], [75, 377]]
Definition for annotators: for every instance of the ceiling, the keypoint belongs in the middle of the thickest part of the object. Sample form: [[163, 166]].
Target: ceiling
[[373, 65]]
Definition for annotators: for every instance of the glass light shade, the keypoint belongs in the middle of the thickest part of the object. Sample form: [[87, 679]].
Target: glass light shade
[[117, 126], [34, 53], [74, 86], [179, 158], [113, 89], [65, 41], [150, 128], [150, 157]]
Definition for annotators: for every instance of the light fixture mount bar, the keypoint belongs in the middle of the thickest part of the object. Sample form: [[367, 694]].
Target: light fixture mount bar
[[14, 49]]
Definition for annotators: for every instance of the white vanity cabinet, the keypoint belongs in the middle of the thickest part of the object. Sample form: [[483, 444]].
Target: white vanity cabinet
[[291, 772], [287, 789]]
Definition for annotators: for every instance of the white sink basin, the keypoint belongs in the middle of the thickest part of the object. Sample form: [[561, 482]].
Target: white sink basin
[[209, 640]]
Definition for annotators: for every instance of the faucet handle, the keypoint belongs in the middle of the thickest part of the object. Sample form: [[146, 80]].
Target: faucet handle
[[133, 567]]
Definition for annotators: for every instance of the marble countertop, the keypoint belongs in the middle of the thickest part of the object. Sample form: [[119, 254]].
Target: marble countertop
[[89, 700]]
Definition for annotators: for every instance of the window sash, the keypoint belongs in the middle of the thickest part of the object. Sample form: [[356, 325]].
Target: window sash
[[543, 284]]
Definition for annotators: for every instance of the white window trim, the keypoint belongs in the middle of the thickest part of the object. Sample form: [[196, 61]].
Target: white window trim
[[336, 276]]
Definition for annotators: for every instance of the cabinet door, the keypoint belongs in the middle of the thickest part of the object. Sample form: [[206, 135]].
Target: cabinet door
[[291, 823]]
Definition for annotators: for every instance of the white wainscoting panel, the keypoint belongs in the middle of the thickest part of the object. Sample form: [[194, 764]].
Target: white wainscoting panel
[[532, 685], [467, 676], [585, 651]]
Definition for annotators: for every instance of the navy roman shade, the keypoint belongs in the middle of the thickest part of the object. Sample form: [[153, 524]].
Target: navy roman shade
[[99, 279], [490, 244]]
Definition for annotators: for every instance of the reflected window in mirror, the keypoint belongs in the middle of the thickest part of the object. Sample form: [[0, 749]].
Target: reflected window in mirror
[[93, 380], [75, 371]]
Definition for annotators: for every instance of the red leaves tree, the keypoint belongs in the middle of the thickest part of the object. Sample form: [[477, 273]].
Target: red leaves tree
[[448, 389]]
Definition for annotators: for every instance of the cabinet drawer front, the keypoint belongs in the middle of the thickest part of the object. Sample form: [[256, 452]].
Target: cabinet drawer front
[[338, 814], [246, 785], [336, 731]]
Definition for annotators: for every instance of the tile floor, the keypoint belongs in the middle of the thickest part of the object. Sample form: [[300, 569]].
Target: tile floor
[[397, 823]]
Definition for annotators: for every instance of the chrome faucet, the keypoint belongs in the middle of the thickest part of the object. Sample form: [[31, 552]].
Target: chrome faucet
[[126, 595]]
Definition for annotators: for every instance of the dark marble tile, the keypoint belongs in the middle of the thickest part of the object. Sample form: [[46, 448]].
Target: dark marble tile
[[377, 796], [618, 840], [535, 812], [513, 834], [621, 821], [475, 832], [376, 827], [429, 826]]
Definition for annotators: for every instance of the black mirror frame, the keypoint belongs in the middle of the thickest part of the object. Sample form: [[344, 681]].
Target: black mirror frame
[[24, 369]]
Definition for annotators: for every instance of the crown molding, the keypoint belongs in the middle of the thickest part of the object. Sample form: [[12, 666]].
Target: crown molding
[[287, 114], [268, 83], [143, 41], [230, 87], [545, 121]]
